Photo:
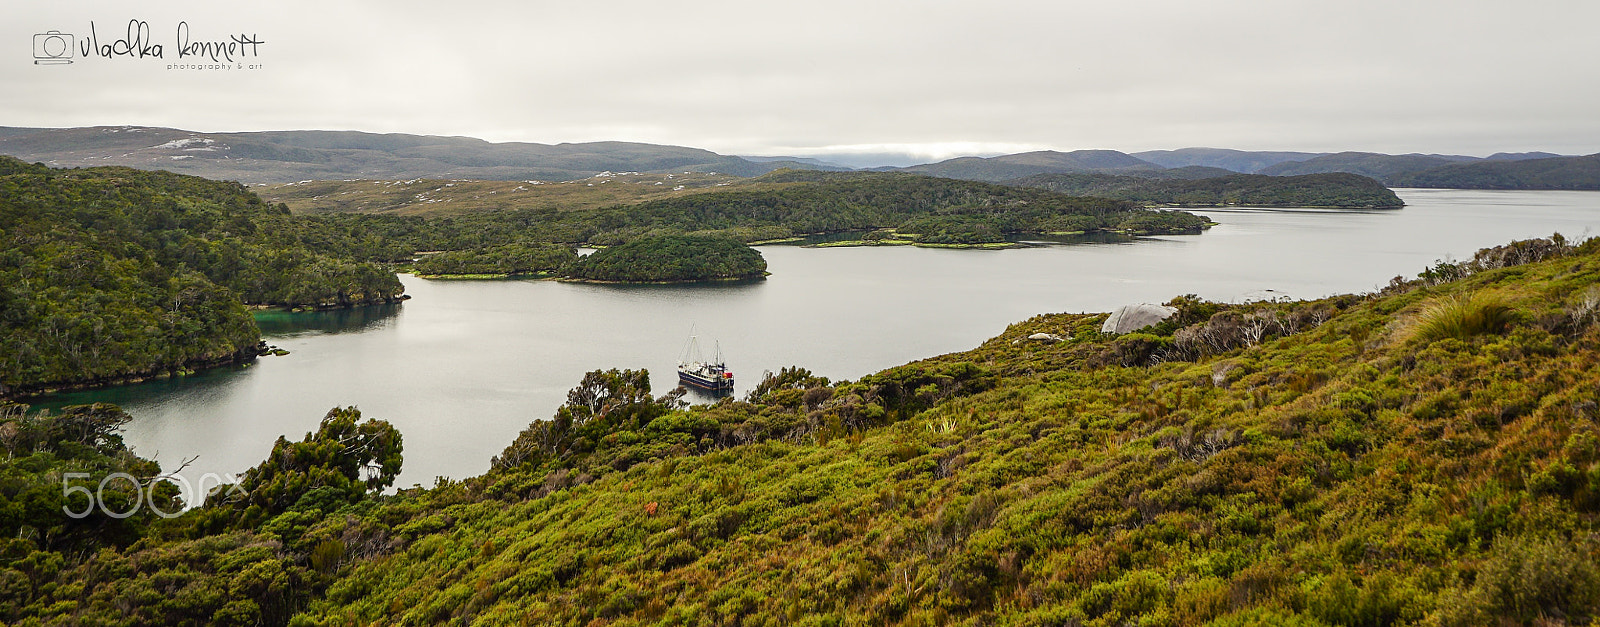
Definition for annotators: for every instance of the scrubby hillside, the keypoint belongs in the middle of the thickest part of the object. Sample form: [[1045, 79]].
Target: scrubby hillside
[[1427, 455]]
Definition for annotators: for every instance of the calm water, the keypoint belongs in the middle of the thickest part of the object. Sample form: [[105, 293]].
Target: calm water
[[464, 366]]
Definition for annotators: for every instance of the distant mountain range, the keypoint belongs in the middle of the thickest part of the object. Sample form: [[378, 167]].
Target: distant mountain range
[[289, 156], [1531, 170], [1241, 161], [1576, 173], [1500, 171], [1378, 166], [816, 163], [1030, 163]]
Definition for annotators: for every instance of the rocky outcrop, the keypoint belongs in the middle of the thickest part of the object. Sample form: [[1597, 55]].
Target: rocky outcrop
[[1129, 318]]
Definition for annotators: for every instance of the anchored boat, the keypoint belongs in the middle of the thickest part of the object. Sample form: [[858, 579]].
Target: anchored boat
[[696, 371]]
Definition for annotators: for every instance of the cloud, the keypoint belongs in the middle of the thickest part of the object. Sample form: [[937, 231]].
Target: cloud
[[920, 78]]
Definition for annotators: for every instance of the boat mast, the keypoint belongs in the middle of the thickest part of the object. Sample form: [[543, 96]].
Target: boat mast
[[691, 351]]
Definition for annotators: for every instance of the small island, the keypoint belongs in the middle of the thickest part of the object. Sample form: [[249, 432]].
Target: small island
[[1336, 190], [894, 237], [670, 259]]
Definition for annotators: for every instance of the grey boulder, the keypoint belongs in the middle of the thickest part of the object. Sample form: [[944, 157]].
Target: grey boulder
[[1129, 318]]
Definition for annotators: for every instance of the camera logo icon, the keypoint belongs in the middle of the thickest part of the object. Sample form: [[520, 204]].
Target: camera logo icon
[[52, 48]]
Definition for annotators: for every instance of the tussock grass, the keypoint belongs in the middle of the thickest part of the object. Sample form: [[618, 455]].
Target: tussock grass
[[1463, 317]]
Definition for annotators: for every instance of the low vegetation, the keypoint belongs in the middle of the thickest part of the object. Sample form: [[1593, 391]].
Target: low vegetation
[[1462, 317], [445, 197], [1283, 463]]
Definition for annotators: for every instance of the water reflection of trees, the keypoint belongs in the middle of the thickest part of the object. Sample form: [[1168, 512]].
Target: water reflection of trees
[[349, 320]]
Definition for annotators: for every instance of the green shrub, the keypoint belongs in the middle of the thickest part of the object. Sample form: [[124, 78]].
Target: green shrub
[[1461, 318], [1525, 580], [1264, 617]]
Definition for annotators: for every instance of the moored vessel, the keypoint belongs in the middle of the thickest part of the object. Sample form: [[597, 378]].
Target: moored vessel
[[695, 371]]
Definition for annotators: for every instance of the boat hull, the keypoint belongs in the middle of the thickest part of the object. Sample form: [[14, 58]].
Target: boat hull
[[714, 384]]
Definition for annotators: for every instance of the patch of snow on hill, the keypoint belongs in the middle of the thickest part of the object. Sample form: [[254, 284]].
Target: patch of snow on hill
[[187, 142]]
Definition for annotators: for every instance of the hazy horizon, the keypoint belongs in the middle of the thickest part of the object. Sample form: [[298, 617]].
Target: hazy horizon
[[878, 80], [859, 160]]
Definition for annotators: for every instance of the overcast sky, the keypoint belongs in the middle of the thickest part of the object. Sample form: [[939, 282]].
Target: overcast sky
[[928, 77]]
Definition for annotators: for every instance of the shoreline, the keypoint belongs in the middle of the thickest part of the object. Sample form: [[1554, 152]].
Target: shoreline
[[733, 279], [901, 242], [314, 308], [1232, 205], [898, 239], [189, 368], [566, 279]]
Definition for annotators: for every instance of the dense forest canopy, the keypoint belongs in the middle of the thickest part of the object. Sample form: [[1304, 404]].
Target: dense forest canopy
[[1424, 455], [671, 258], [516, 259], [108, 273]]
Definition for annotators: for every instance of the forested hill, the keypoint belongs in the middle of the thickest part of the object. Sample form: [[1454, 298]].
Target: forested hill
[[1428, 455], [779, 205], [1311, 190], [1006, 167], [110, 273], [671, 258], [1499, 171], [1576, 173], [1375, 165], [789, 202]]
